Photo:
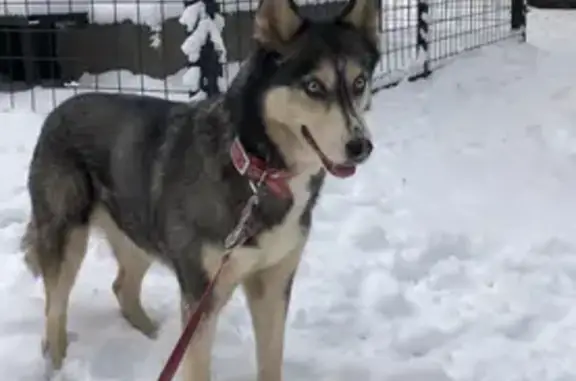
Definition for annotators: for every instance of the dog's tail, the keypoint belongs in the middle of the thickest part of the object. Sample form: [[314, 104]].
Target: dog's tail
[[28, 246]]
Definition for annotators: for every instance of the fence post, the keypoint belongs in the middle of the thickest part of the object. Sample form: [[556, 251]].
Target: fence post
[[204, 48], [518, 18], [423, 39]]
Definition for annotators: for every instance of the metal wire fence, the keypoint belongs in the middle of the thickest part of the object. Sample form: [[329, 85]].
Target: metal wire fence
[[52, 49]]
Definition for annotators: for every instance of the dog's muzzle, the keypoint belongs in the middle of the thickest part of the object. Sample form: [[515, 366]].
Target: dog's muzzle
[[357, 151]]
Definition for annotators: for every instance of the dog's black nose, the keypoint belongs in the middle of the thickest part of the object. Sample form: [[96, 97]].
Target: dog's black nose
[[359, 149]]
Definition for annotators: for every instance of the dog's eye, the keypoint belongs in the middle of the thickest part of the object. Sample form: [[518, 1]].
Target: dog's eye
[[314, 88], [359, 85]]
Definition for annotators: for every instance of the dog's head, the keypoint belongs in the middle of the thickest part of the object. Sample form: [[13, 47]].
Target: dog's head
[[313, 104]]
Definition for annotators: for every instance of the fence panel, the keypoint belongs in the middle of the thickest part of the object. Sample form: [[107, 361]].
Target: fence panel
[[52, 49], [461, 25]]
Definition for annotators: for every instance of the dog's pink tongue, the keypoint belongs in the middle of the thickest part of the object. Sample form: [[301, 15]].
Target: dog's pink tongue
[[341, 171]]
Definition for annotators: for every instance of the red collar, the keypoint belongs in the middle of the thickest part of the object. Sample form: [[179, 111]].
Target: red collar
[[253, 168]]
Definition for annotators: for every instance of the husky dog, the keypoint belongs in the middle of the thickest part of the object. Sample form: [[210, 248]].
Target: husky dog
[[167, 181]]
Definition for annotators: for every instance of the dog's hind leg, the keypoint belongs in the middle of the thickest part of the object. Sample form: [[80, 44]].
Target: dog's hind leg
[[133, 263], [56, 238], [132, 267], [56, 252], [268, 295], [58, 283]]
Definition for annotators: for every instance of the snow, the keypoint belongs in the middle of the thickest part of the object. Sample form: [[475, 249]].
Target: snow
[[202, 28], [192, 15], [149, 14], [451, 256], [192, 78]]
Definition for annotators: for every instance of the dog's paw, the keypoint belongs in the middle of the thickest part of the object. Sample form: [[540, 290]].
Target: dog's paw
[[141, 321], [54, 356]]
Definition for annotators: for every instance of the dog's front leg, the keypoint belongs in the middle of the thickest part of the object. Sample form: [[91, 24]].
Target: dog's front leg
[[197, 360], [268, 295]]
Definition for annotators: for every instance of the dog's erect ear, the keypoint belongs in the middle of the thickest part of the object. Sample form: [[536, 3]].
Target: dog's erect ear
[[276, 22], [363, 15]]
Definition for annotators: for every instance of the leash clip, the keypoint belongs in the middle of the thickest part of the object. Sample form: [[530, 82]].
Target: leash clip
[[238, 235]]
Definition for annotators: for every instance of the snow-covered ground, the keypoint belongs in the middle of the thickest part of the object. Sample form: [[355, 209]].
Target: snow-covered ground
[[451, 256]]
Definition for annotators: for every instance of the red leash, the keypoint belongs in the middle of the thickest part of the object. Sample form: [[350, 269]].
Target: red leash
[[177, 354]]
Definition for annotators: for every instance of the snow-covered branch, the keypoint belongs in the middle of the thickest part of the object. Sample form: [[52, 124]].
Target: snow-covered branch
[[204, 31]]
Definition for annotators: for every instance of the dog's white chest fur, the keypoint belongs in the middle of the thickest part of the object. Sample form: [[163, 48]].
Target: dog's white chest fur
[[274, 244]]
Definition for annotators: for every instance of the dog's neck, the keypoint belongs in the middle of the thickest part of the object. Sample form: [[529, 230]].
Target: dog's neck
[[243, 102]]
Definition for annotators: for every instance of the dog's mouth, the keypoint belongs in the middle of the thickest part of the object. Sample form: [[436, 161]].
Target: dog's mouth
[[337, 170]]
